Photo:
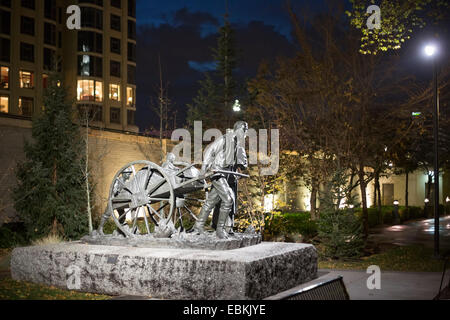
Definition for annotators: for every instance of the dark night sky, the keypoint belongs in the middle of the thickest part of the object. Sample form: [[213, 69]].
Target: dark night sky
[[183, 33]]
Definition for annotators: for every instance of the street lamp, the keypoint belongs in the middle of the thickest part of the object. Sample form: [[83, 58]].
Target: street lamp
[[430, 51], [236, 106]]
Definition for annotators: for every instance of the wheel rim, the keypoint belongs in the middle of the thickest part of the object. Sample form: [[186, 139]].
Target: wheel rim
[[142, 191]]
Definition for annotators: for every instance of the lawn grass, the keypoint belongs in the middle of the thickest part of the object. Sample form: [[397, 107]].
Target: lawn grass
[[407, 258], [21, 290]]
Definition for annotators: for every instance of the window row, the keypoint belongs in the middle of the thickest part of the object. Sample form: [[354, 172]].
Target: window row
[[89, 41], [92, 90], [25, 107], [92, 66], [49, 7], [27, 53], [95, 113], [26, 79]]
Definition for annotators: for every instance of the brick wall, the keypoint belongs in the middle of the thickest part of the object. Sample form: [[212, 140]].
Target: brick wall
[[109, 151]]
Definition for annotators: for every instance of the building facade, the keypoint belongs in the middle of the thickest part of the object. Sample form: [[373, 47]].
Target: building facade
[[98, 61]]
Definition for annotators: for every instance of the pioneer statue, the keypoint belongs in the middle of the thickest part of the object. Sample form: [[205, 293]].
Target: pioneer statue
[[224, 157]]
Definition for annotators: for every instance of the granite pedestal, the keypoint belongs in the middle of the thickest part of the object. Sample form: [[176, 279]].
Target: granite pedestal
[[252, 272]]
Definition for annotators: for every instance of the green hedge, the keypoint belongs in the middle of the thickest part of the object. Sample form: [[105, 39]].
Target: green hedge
[[292, 222], [387, 213]]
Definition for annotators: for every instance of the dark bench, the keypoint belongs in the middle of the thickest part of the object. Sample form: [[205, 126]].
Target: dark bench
[[323, 288], [444, 294]]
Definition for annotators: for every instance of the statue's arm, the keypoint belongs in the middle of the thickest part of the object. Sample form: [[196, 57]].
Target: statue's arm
[[210, 153]]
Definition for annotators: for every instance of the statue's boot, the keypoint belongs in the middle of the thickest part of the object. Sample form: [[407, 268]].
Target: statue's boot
[[220, 230], [199, 226]]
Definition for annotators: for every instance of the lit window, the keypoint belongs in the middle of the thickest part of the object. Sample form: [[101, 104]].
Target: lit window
[[98, 91], [90, 90], [25, 106], [4, 78], [26, 79], [114, 92], [131, 93], [4, 104], [45, 81]]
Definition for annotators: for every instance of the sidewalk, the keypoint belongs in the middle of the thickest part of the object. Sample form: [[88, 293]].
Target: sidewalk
[[419, 232], [394, 285]]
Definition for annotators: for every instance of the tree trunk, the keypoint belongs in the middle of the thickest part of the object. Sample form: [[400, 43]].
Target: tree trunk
[[313, 200], [86, 174], [365, 213], [406, 189], [377, 202]]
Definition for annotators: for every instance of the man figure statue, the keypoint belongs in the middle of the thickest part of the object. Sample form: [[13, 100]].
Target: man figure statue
[[223, 154]]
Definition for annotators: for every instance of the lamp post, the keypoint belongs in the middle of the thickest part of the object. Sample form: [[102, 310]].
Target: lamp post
[[430, 51], [426, 207], [396, 213]]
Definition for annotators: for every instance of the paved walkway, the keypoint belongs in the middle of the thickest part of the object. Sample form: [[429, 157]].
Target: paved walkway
[[419, 232], [394, 285]]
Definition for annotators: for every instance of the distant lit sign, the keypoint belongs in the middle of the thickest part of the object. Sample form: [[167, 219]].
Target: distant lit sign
[[416, 114]]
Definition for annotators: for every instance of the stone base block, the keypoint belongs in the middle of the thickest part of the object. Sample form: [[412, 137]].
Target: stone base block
[[253, 272], [207, 241]]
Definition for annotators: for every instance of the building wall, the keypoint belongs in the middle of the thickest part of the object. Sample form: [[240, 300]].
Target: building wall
[[109, 151], [297, 195], [66, 54]]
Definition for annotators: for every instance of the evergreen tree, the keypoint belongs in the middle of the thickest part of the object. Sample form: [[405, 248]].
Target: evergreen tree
[[49, 196], [219, 90]]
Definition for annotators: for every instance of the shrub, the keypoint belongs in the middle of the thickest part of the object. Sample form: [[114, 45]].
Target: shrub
[[291, 222], [340, 232]]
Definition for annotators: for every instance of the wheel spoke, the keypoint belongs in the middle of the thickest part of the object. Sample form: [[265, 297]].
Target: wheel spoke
[[158, 199], [146, 221], [134, 220], [192, 214], [158, 185], [148, 177], [151, 215], [120, 200], [124, 186], [181, 220], [154, 212], [194, 199], [163, 206], [135, 179], [124, 214]]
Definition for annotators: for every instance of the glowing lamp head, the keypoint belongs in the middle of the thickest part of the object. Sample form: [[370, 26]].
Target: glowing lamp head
[[396, 202], [426, 200], [430, 50], [447, 199]]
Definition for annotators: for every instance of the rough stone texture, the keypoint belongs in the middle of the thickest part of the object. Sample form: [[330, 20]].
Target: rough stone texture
[[207, 241], [253, 272]]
